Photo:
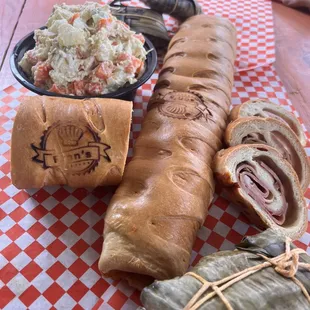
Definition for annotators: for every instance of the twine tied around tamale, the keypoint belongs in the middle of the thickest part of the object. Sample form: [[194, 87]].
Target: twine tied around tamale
[[175, 6], [286, 264]]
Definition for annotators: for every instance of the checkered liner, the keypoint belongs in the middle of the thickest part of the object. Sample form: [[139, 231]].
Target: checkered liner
[[51, 238], [254, 23]]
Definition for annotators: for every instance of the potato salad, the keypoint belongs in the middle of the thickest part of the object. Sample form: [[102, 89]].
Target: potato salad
[[84, 51]]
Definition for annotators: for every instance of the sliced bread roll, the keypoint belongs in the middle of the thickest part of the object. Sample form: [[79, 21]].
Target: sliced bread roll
[[264, 108], [64, 141], [249, 130], [266, 185]]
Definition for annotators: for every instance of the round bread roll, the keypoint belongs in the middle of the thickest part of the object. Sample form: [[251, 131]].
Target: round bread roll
[[264, 108], [249, 130], [266, 185]]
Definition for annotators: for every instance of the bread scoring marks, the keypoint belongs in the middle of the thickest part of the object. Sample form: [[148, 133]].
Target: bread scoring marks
[[183, 105], [74, 149]]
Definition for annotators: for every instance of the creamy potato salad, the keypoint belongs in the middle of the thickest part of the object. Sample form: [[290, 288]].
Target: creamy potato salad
[[84, 51]]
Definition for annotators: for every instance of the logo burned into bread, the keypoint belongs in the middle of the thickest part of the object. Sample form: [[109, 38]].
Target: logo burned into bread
[[74, 149], [182, 105]]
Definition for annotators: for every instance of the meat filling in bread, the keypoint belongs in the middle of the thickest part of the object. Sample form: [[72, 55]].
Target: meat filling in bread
[[266, 109], [265, 185], [269, 131], [269, 192]]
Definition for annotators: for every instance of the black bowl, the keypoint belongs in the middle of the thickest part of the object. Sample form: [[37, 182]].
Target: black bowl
[[126, 93]]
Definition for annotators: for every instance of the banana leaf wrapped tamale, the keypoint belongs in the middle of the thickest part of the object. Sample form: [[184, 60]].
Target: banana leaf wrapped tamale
[[180, 9], [141, 20], [265, 272]]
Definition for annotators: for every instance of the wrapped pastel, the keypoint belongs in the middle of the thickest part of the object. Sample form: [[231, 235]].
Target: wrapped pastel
[[180, 9], [265, 272], [141, 20]]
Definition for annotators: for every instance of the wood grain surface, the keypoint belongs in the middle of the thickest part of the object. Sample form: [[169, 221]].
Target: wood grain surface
[[292, 32], [34, 15], [9, 14]]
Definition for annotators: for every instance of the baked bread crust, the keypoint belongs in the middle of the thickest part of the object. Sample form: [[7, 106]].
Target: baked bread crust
[[265, 108], [229, 164], [270, 131], [79, 143], [152, 220]]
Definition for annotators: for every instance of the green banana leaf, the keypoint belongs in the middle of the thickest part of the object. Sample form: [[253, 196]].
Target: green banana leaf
[[145, 21], [263, 290], [180, 9]]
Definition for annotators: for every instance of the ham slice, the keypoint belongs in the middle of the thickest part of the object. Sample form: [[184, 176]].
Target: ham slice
[[259, 179], [264, 108], [262, 192], [275, 133]]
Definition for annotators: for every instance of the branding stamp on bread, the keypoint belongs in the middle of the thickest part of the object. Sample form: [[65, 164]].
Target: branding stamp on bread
[[182, 105], [74, 149]]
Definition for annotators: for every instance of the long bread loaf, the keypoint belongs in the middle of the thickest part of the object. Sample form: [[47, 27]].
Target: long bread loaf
[[153, 218]]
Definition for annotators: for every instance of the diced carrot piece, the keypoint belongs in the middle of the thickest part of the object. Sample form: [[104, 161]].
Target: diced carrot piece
[[104, 22], [140, 37], [58, 90], [140, 68], [94, 89], [130, 69], [136, 63], [78, 88], [104, 70], [123, 56], [135, 66], [70, 89], [32, 58], [41, 73], [73, 18]]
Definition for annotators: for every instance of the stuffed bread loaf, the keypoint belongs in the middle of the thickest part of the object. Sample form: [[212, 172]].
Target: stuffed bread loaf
[[152, 220], [79, 143], [266, 185], [264, 108], [272, 132]]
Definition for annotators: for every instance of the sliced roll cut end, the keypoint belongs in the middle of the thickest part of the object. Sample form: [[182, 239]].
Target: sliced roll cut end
[[265, 185], [272, 132], [264, 108]]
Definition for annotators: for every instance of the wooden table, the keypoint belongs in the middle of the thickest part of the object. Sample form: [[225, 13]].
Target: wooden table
[[291, 29], [17, 19]]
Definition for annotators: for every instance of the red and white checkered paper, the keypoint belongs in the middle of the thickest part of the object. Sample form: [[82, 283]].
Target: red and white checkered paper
[[51, 238], [254, 23]]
